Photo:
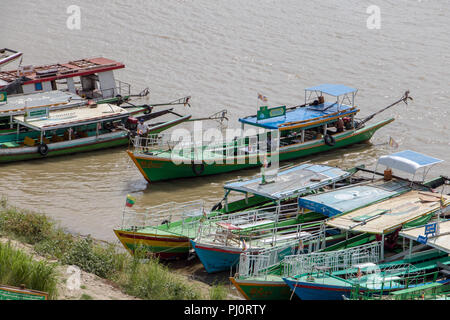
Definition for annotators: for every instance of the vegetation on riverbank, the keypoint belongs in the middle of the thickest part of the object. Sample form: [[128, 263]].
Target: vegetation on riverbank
[[146, 280], [17, 269]]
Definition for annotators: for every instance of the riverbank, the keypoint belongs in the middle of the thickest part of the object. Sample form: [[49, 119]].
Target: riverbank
[[88, 269]]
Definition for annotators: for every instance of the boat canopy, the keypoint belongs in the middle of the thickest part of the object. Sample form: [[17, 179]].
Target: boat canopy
[[352, 197], [439, 241], [70, 117], [56, 99], [305, 117], [334, 90], [386, 216], [58, 71], [408, 161], [290, 182]]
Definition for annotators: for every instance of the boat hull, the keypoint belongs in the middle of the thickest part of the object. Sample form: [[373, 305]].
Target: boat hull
[[262, 290], [315, 291], [157, 168], [65, 148], [166, 247], [216, 259]]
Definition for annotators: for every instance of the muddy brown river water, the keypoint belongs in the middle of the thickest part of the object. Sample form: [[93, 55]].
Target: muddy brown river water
[[223, 53]]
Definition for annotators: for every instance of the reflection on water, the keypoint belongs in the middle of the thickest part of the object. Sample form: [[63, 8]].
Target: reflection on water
[[223, 54]]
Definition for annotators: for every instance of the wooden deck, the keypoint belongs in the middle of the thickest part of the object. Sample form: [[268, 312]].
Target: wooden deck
[[388, 215]]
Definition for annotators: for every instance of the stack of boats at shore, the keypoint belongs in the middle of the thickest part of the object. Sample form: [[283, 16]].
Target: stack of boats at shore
[[314, 232], [72, 107], [310, 231]]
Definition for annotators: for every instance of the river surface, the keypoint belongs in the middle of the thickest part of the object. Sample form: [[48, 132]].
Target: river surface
[[223, 53]]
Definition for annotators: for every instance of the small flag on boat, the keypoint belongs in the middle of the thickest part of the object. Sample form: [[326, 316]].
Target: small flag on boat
[[204, 215], [359, 273], [392, 143], [262, 98], [130, 201], [244, 245]]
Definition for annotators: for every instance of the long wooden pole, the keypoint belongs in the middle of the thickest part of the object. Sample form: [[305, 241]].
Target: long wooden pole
[[405, 99]]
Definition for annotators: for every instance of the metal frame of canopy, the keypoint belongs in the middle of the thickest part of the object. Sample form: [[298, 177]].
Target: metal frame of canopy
[[240, 186], [408, 161], [335, 90]]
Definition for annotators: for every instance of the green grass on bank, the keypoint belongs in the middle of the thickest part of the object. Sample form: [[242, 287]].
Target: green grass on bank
[[17, 268], [146, 280]]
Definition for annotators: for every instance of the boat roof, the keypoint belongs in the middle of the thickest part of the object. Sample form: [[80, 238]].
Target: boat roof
[[74, 117], [349, 198], [16, 103], [408, 161], [304, 117], [57, 71], [386, 216], [334, 90], [293, 181], [440, 242]]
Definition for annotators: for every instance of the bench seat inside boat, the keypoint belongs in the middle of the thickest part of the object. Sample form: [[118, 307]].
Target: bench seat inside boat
[[236, 225], [277, 238], [10, 145]]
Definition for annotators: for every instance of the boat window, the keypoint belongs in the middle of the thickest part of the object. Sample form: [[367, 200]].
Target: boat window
[[38, 86]]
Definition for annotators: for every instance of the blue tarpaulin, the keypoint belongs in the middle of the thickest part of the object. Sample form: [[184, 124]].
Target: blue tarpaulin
[[306, 114], [350, 198]]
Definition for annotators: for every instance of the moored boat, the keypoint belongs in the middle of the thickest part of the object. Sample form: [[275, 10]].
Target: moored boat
[[258, 279], [95, 76], [294, 132], [171, 239]]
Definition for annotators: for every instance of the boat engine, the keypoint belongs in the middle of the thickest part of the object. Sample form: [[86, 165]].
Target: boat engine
[[131, 124]]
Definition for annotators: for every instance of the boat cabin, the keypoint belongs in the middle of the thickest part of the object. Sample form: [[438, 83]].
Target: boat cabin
[[90, 78], [315, 119], [69, 124], [17, 104]]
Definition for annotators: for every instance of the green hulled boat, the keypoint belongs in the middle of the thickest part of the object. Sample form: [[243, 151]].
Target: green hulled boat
[[286, 133], [166, 231]]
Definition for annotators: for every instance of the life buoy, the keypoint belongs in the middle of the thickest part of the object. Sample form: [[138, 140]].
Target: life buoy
[[329, 140], [43, 149], [198, 168], [217, 207], [119, 99], [148, 110]]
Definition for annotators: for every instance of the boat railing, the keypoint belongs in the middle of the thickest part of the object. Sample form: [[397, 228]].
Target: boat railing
[[344, 259], [278, 234], [198, 150], [251, 265], [258, 217], [251, 220], [188, 214], [399, 277], [156, 142], [121, 88]]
